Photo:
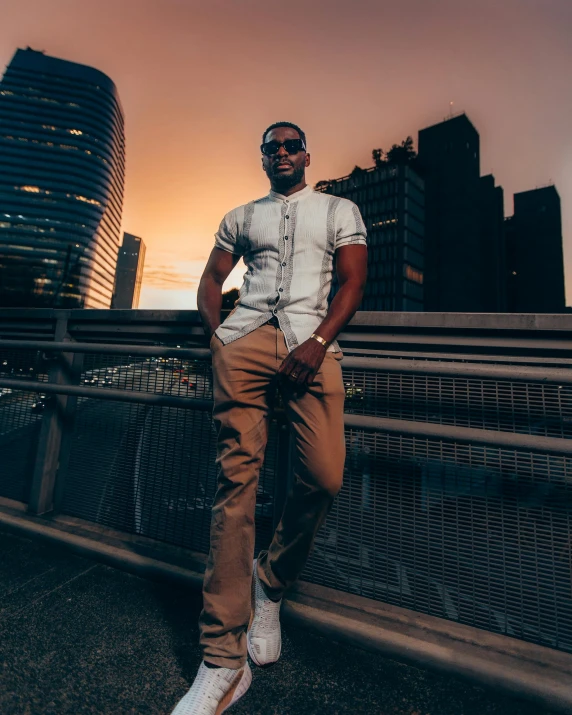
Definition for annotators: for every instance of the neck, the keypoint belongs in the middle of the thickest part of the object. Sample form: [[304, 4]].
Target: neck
[[291, 190]]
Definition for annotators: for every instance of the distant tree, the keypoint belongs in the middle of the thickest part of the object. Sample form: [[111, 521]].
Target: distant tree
[[229, 298], [403, 153], [377, 156]]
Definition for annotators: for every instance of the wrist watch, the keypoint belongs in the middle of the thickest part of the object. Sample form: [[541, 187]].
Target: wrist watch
[[320, 340]]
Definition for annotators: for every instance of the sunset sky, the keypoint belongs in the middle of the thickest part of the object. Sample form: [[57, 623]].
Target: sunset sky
[[199, 81]]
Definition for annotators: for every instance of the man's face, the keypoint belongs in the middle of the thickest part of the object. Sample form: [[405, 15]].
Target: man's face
[[284, 170]]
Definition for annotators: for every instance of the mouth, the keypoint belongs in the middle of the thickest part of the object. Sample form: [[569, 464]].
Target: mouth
[[282, 165]]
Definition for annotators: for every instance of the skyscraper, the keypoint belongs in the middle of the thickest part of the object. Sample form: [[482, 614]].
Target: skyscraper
[[534, 253], [492, 246], [129, 273], [449, 159], [62, 167], [391, 201]]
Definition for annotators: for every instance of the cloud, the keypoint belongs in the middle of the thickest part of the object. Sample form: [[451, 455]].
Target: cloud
[[168, 277]]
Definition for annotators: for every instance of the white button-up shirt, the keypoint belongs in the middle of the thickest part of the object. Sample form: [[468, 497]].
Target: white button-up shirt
[[288, 245]]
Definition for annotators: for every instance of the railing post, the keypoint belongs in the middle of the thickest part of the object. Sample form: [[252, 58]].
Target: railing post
[[68, 428], [48, 454]]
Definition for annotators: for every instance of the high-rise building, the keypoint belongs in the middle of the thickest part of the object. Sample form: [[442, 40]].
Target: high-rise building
[[449, 157], [492, 246], [534, 253], [62, 166], [129, 273], [390, 198]]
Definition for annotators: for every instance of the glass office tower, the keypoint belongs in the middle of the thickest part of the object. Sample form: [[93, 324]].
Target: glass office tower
[[129, 275], [392, 203], [62, 168]]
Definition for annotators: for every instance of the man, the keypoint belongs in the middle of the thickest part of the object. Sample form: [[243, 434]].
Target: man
[[280, 336]]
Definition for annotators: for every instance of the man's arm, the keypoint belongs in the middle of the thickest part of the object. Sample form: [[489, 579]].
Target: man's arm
[[305, 360], [209, 297]]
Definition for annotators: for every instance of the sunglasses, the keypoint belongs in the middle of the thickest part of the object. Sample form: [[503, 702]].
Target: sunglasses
[[292, 146]]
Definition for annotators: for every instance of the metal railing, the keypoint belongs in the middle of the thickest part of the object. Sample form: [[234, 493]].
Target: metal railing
[[458, 482]]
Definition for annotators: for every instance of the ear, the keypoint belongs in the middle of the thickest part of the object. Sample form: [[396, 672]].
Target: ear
[[307, 160]]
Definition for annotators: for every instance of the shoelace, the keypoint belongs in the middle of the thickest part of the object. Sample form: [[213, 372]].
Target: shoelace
[[267, 611], [200, 700]]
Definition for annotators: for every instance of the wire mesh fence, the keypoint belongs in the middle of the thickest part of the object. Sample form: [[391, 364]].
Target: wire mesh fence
[[20, 418], [474, 534]]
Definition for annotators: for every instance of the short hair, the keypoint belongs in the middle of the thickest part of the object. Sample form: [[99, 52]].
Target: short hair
[[285, 124]]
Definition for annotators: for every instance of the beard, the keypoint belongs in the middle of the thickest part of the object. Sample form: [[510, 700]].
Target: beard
[[283, 182]]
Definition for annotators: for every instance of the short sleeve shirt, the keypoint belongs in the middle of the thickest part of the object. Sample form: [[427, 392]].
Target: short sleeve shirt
[[288, 245]]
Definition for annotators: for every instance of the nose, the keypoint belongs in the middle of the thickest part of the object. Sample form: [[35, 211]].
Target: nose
[[281, 152]]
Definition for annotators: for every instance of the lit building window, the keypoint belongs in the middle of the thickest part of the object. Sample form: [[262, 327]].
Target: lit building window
[[75, 131], [30, 189], [87, 201], [48, 126], [413, 274]]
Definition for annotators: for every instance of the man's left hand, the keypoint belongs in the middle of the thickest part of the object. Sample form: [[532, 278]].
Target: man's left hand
[[303, 363]]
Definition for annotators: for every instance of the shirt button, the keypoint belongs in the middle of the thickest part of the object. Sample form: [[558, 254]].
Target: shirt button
[[284, 263], [274, 311], [287, 216], [280, 290], [285, 238]]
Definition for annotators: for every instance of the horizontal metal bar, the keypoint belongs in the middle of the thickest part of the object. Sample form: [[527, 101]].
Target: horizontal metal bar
[[470, 435], [472, 357], [425, 430], [107, 348], [460, 340], [98, 393], [427, 367], [517, 373]]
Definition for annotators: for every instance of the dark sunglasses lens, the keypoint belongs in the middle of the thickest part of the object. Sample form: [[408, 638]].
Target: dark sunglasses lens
[[270, 148], [293, 146]]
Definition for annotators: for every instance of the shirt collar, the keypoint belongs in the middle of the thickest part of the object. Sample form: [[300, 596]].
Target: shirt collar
[[302, 194]]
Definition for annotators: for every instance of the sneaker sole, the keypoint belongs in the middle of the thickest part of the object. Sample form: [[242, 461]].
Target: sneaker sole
[[233, 695]]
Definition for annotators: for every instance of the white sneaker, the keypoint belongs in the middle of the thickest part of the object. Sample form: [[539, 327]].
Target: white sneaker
[[264, 639], [214, 691]]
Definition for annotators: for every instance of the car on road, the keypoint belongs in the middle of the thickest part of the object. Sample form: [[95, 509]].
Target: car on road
[[40, 404], [5, 391]]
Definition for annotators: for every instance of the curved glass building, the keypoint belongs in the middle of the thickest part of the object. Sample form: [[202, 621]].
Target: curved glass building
[[62, 169]]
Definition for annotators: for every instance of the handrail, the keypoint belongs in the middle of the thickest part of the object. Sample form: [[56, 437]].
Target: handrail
[[106, 348], [426, 367], [424, 430]]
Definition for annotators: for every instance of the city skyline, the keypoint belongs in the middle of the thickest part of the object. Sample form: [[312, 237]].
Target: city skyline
[[365, 77]]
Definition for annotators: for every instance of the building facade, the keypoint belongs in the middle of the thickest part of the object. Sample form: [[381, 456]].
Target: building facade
[[391, 200], [449, 157], [62, 168], [129, 274], [492, 246], [534, 253]]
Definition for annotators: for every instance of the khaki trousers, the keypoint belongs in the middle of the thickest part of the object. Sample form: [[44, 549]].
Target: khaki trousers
[[245, 381]]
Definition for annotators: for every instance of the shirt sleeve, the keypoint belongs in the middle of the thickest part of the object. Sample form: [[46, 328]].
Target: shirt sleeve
[[350, 228], [227, 237]]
